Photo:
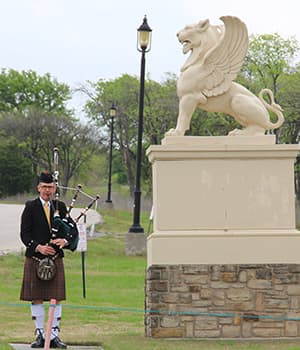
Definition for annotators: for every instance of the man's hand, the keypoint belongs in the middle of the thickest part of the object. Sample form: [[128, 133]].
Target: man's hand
[[60, 242], [45, 249]]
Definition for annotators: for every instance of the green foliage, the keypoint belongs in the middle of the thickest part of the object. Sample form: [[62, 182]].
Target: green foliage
[[93, 173], [161, 108], [160, 112], [211, 124], [289, 95], [39, 132], [123, 92], [34, 113], [269, 57], [118, 170], [15, 170], [270, 63], [20, 90]]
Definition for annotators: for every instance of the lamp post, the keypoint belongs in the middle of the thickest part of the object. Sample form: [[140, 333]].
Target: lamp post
[[112, 113], [143, 46]]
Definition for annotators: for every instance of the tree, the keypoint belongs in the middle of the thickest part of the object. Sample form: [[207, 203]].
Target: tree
[[160, 111], [269, 57], [20, 90], [15, 170], [124, 93], [34, 113], [161, 108], [28, 130], [289, 94], [270, 60], [39, 132], [76, 144]]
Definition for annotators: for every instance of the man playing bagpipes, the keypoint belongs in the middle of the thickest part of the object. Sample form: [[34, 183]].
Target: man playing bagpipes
[[46, 230]]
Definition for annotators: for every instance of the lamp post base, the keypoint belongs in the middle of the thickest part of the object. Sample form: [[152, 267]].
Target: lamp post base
[[108, 204], [136, 228]]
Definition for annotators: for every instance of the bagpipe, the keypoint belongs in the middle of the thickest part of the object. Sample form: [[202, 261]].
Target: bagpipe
[[64, 226]]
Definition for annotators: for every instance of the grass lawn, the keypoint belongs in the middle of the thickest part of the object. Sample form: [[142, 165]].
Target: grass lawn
[[114, 284]]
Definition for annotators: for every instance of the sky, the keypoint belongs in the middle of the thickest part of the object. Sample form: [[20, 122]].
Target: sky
[[87, 40]]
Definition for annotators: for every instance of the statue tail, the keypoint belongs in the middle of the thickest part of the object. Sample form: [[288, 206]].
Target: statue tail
[[273, 107]]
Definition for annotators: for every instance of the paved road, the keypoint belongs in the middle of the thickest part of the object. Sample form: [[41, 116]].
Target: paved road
[[10, 215]]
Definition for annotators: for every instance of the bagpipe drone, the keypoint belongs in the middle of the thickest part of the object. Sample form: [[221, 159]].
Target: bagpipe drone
[[64, 226]]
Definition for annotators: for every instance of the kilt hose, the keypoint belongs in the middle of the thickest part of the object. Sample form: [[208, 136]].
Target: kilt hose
[[35, 289]]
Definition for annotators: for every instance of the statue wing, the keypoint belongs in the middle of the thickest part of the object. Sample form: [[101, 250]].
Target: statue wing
[[223, 62]]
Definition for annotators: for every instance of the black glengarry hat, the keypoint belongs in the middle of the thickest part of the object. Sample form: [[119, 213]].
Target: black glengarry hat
[[46, 177]]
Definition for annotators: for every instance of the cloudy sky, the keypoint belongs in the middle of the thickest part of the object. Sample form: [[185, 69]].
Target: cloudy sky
[[80, 40]]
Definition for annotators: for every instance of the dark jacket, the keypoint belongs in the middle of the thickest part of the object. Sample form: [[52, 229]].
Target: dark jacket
[[35, 229]]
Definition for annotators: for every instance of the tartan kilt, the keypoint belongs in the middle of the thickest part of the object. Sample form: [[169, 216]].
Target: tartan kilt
[[35, 289]]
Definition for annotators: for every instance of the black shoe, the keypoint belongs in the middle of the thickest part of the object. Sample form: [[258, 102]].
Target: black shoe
[[39, 342], [57, 343]]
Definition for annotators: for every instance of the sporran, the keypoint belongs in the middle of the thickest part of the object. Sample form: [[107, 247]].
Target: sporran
[[46, 269]]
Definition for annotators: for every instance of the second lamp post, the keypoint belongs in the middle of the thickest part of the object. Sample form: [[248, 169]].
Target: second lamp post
[[112, 113]]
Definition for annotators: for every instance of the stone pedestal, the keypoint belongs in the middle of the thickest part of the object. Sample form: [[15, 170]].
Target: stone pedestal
[[135, 243], [219, 201]]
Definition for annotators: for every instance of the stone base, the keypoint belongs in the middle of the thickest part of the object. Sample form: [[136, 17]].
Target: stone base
[[223, 301], [223, 259], [135, 244], [108, 205]]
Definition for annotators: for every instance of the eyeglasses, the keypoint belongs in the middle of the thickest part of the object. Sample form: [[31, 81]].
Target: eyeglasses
[[46, 187]]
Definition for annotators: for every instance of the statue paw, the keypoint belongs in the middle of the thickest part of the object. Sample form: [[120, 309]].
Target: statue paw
[[235, 132], [174, 132], [251, 130]]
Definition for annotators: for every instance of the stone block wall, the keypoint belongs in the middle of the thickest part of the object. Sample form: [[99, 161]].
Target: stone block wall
[[223, 301]]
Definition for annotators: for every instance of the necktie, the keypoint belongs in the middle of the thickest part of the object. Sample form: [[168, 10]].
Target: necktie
[[47, 212]]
